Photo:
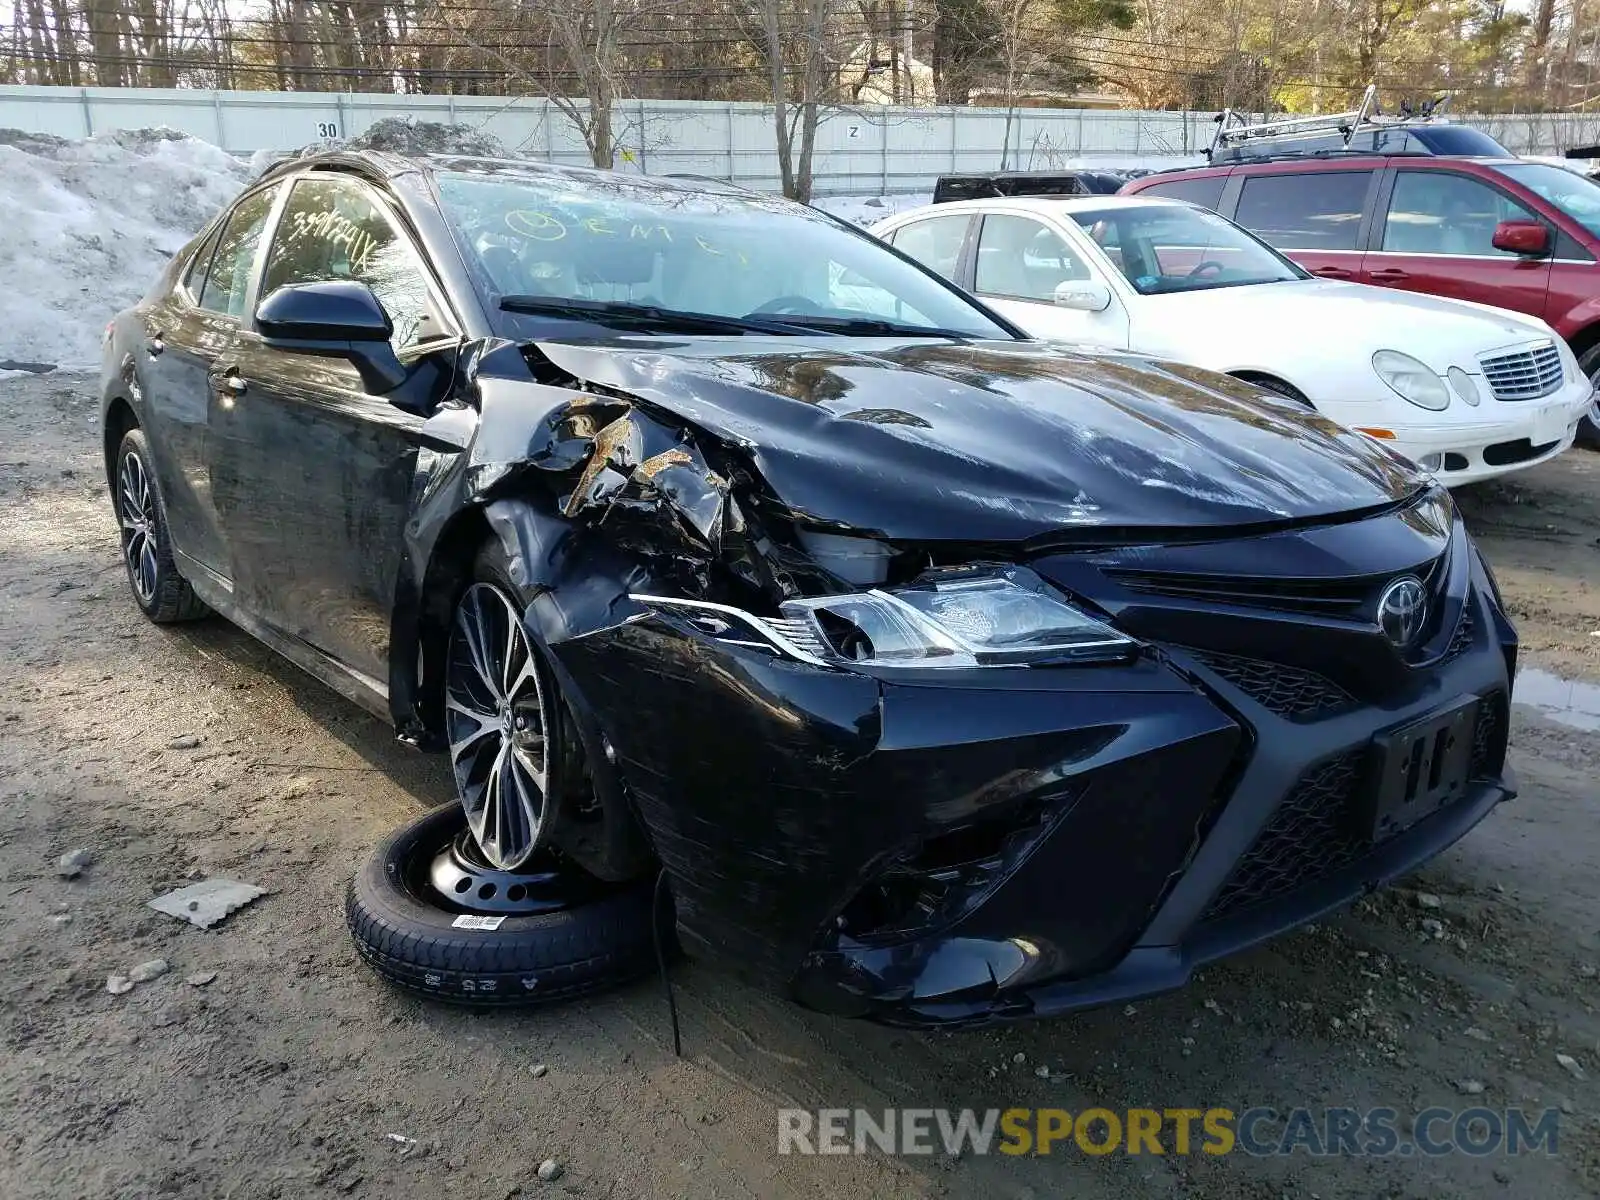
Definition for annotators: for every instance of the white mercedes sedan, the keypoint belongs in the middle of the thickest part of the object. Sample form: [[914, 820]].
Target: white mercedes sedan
[[1465, 390]]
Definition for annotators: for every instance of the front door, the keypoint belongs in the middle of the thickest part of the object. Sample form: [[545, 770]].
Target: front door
[[312, 472], [1021, 263], [1436, 236]]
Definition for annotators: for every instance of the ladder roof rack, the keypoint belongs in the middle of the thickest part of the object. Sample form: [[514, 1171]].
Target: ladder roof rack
[[1234, 127]]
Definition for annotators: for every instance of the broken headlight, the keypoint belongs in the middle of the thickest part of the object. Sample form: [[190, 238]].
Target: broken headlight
[[978, 618]]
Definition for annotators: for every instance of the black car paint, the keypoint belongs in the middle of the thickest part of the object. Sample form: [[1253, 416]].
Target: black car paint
[[775, 791]]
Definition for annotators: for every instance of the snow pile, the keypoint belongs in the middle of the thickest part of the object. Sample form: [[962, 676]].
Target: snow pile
[[399, 135], [869, 210], [405, 135], [89, 224]]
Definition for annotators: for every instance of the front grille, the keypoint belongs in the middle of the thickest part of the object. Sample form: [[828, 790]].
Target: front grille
[[1325, 597], [1288, 691], [1504, 454], [1524, 374], [1309, 836], [1349, 596], [1313, 832]]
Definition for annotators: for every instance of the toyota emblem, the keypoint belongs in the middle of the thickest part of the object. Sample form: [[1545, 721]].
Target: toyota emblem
[[1403, 611]]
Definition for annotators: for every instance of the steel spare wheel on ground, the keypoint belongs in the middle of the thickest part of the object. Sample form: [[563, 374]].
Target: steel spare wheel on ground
[[429, 914]]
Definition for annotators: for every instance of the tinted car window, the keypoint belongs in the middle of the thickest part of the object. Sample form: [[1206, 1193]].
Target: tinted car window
[[194, 279], [333, 229], [227, 278], [1317, 210], [1024, 259], [1440, 212], [934, 242], [1206, 192]]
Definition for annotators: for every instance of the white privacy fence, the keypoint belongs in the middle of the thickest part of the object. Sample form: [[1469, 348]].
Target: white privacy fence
[[863, 150]]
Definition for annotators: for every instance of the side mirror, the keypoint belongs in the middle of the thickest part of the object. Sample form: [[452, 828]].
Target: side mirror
[[1083, 295], [1529, 238], [337, 317]]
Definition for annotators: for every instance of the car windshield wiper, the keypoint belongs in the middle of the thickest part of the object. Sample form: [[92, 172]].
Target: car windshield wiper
[[649, 316], [869, 327]]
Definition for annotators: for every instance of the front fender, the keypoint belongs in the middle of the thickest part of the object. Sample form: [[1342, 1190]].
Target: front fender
[[1575, 320]]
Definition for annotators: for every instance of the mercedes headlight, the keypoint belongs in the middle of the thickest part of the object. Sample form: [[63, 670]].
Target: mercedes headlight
[[972, 618], [1411, 380]]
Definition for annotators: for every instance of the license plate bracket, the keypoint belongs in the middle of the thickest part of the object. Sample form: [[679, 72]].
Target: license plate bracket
[[1549, 424], [1419, 768]]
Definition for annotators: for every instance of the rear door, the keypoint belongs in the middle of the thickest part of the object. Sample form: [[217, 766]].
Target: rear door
[[1317, 218], [1435, 233], [186, 333], [312, 472], [1019, 264]]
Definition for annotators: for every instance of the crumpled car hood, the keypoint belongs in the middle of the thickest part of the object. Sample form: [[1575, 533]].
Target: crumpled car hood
[[997, 441]]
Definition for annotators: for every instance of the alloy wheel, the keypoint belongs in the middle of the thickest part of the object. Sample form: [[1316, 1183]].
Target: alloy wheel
[[497, 719], [136, 513]]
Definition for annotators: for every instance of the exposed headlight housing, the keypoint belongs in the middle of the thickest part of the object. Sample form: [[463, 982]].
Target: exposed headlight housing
[[996, 617], [1411, 379]]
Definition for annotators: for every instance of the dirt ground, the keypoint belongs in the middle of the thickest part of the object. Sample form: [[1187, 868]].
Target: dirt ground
[[284, 1075]]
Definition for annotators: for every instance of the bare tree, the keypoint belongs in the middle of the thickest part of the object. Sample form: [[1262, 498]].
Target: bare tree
[[792, 38], [587, 35], [1015, 49]]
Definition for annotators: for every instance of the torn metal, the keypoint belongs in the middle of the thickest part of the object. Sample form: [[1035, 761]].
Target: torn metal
[[798, 809]]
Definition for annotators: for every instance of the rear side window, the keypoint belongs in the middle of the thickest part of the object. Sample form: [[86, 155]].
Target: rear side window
[[1440, 212], [227, 278], [1314, 210], [332, 228], [934, 242], [1206, 192], [194, 279]]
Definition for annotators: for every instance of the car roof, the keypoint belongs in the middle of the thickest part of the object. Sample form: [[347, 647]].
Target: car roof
[[1054, 204], [1286, 164], [389, 165]]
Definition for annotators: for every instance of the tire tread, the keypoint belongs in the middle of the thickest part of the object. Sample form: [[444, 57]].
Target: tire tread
[[573, 952]]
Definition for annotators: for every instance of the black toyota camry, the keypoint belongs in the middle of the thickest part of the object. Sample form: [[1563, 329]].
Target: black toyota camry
[[742, 566]]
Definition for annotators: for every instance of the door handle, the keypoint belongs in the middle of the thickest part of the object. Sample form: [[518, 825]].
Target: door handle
[[1333, 272], [1390, 275]]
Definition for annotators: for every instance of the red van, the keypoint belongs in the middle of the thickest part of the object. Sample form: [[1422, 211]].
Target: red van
[[1497, 230]]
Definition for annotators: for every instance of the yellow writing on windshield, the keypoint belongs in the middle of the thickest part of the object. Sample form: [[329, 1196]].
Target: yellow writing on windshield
[[543, 226], [531, 223]]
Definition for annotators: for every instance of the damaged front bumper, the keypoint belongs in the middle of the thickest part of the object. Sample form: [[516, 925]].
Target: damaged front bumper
[[1005, 843], [954, 846]]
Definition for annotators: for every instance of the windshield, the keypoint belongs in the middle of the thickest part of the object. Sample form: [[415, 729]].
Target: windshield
[[1175, 248], [542, 239], [1576, 195]]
